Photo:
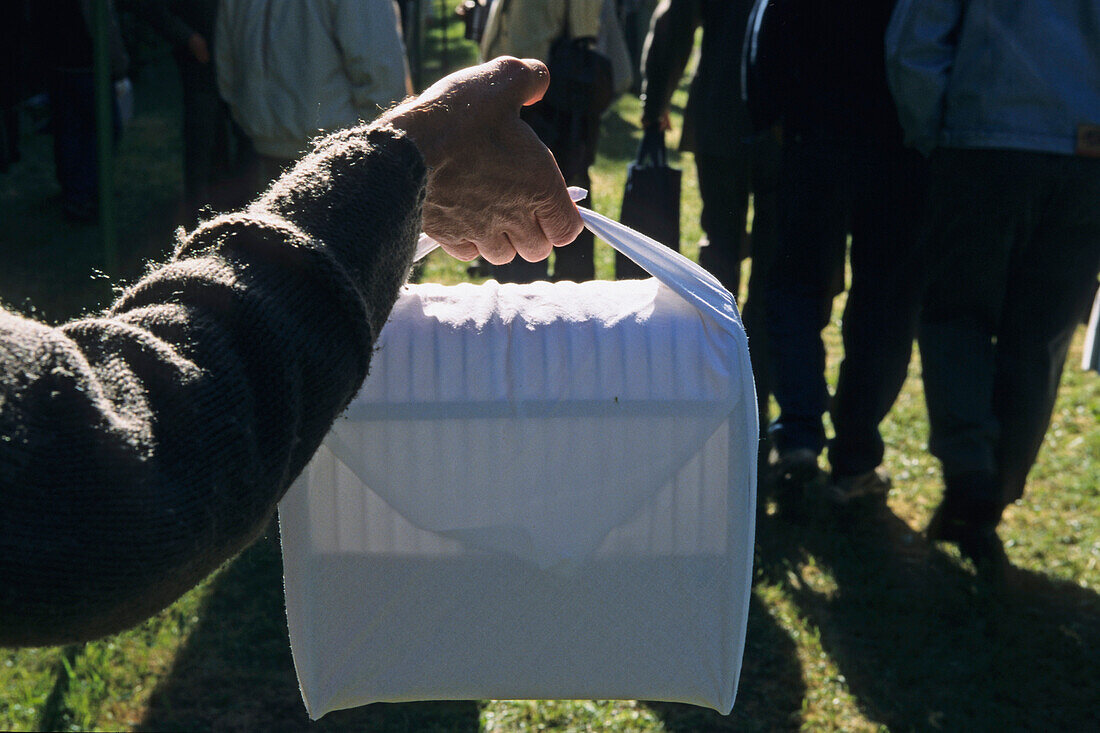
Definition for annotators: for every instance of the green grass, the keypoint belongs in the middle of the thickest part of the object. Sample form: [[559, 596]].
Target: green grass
[[856, 622]]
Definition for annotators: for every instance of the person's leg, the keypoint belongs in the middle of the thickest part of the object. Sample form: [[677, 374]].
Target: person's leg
[[9, 137], [812, 226], [576, 152], [233, 187], [576, 261], [204, 133], [979, 207], [1051, 278], [72, 110], [982, 203], [724, 190], [764, 172], [880, 315]]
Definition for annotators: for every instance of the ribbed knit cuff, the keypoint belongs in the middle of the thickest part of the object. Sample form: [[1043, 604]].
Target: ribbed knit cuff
[[360, 192]]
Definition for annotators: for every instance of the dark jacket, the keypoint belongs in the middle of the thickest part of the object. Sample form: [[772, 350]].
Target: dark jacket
[[827, 69], [715, 120], [62, 33], [1021, 75]]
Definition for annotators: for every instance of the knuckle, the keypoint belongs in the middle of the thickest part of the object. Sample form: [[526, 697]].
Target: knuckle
[[510, 65]]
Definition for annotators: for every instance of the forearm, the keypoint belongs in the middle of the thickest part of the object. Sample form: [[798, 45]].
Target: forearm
[[145, 447]]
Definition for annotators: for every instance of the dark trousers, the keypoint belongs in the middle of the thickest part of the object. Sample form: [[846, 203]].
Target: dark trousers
[[827, 189], [9, 137], [76, 154], [725, 183], [1014, 249], [218, 160]]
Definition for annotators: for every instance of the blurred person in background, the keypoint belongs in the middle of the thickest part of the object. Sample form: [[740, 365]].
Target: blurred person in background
[[63, 46], [217, 155], [730, 160], [14, 86], [291, 70], [528, 29], [844, 170], [1006, 99]]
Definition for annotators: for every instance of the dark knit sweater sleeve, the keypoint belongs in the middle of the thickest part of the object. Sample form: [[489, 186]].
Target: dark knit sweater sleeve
[[141, 449]]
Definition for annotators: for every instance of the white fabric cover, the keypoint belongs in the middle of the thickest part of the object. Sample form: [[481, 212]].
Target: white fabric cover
[[542, 491]]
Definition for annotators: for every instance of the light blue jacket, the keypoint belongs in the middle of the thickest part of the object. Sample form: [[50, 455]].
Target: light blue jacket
[[1019, 74]]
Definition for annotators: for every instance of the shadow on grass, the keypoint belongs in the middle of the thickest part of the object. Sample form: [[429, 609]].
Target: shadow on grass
[[619, 137], [236, 672], [924, 644], [769, 694]]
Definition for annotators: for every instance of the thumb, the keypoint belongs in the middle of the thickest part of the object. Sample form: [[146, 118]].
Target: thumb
[[524, 80]]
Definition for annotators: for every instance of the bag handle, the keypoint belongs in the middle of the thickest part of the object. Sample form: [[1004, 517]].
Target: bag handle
[[685, 278], [651, 150]]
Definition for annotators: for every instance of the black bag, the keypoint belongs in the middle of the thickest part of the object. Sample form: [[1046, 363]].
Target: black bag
[[474, 14], [567, 118], [581, 80], [651, 201]]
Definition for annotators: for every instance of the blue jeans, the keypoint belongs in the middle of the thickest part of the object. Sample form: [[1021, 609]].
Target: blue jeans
[[827, 189], [1014, 249]]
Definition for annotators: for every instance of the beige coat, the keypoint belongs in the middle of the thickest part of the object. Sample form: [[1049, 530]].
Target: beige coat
[[290, 70], [526, 28]]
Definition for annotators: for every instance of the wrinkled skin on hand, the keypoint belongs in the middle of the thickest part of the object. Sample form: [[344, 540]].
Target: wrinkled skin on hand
[[494, 189]]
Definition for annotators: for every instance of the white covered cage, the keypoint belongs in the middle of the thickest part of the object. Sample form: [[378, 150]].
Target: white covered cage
[[542, 491]]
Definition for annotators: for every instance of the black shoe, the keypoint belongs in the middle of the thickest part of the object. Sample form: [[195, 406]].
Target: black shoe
[[797, 466], [790, 473], [860, 488], [968, 517]]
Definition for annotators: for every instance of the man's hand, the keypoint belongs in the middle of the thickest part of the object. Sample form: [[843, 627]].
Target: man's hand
[[494, 189], [662, 123]]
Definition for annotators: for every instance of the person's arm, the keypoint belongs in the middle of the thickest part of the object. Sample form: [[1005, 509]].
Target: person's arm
[[171, 27], [142, 448], [920, 52], [373, 53], [665, 56]]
